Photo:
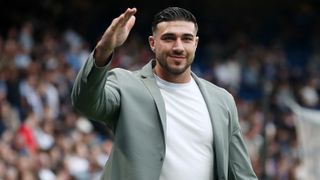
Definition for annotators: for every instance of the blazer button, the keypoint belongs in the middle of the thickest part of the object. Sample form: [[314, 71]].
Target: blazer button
[[161, 159]]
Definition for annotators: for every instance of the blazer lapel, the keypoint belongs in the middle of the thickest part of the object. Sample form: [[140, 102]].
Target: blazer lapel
[[216, 126], [150, 82]]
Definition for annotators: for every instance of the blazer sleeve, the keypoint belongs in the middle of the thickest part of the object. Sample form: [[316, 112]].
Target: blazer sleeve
[[240, 167], [95, 93]]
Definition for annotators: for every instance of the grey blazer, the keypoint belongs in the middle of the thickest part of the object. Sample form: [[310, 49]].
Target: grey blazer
[[132, 104]]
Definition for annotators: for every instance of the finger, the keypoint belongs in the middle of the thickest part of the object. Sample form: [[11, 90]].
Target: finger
[[129, 12], [122, 19], [131, 22], [127, 15], [116, 22]]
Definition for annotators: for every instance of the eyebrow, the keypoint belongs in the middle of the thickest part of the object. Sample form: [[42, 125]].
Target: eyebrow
[[173, 35]]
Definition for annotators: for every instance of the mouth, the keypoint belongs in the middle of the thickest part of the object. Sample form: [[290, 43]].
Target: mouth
[[178, 58]]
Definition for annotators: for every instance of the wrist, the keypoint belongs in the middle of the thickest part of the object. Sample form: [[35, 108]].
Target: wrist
[[101, 55]]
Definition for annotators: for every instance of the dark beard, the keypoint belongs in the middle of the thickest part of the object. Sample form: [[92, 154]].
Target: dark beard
[[173, 71]]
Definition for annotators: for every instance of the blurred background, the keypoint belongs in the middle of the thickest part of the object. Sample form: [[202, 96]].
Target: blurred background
[[264, 52]]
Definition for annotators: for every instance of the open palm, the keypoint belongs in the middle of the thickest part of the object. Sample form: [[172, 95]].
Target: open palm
[[118, 31]]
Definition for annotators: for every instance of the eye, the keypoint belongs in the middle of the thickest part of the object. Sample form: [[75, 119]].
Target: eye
[[168, 38], [188, 38]]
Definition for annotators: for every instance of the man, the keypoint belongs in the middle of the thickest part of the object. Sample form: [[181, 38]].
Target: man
[[169, 124]]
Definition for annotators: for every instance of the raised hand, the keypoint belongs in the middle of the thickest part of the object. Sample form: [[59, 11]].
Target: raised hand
[[114, 36]]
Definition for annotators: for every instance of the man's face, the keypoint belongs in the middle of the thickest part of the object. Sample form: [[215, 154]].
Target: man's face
[[174, 44]]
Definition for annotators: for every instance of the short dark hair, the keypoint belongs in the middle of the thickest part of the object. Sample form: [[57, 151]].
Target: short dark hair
[[173, 14]]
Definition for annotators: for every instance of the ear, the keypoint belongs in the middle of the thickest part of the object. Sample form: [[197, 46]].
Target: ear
[[197, 40], [151, 43]]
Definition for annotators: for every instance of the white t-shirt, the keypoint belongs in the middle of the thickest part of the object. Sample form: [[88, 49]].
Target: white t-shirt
[[189, 136]]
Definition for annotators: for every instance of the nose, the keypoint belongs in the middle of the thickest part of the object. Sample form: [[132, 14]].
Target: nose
[[178, 45]]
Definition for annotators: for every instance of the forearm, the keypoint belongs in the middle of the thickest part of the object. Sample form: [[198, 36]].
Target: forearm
[[239, 160], [88, 93]]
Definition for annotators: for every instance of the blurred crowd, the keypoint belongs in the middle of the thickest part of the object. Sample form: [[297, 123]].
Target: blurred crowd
[[43, 137]]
